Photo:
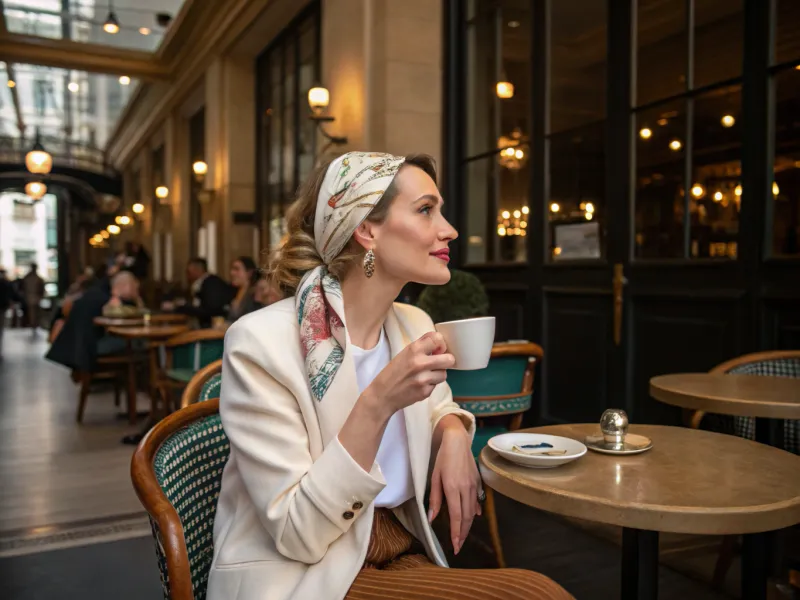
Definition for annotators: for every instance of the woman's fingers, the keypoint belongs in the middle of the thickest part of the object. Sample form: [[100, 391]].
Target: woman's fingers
[[453, 496], [435, 502], [468, 498]]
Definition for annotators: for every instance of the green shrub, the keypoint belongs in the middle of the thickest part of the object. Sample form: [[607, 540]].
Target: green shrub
[[463, 297]]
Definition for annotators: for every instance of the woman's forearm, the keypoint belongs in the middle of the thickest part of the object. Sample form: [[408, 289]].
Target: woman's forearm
[[446, 423], [363, 430]]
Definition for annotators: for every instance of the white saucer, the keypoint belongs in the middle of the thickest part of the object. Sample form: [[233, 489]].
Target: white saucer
[[503, 443]]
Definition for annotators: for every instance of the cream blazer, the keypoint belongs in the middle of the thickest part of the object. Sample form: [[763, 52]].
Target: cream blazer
[[295, 510]]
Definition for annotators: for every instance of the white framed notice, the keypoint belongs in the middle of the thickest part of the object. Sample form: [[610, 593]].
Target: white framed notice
[[577, 241]]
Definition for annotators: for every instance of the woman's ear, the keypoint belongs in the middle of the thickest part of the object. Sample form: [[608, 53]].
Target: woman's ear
[[365, 235]]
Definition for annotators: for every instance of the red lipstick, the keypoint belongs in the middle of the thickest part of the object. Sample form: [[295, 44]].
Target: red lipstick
[[443, 254]]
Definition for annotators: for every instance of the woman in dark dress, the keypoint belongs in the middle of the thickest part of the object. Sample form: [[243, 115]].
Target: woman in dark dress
[[244, 275]]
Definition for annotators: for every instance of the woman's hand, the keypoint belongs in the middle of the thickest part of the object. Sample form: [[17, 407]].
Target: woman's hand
[[455, 476], [411, 375]]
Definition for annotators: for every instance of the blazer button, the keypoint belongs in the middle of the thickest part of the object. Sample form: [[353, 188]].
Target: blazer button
[[348, 515], [358, 505]]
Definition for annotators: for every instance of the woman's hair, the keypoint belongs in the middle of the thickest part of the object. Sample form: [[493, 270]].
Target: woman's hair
[[251, 267], [297, 254]]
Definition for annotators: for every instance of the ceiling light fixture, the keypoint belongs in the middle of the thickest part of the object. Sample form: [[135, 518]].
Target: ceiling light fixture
[[113, 229], [35, 189], [11, 83], [645, 133], [728, 121], [144, 30], [111, 24], [138, 208], [73, 86], [505, 89], [125, 80], [38, 160], [675, 145]]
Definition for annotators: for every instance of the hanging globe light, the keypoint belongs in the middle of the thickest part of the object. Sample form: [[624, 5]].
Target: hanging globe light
[[38, 160], [35, 189]]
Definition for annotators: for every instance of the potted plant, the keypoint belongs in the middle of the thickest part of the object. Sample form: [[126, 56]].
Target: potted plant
[[463, 297]]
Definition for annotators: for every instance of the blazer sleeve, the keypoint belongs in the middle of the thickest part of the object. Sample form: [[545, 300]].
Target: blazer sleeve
[[304, 504]]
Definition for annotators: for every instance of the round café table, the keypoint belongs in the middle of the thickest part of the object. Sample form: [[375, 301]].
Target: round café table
[[768, 399], [138, 320], [691, 481], [150, 333]]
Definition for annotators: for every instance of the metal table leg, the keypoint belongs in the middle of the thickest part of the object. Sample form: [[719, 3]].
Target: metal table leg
[[639, 565]]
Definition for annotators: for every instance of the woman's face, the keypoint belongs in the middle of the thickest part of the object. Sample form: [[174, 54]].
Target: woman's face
[[411, 245], [239, 275]]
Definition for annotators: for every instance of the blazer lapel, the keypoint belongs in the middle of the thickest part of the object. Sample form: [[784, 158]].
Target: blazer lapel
[[338, 402], [417, 416]]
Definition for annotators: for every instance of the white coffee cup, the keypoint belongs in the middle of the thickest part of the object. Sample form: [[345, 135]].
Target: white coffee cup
[[469, 341]]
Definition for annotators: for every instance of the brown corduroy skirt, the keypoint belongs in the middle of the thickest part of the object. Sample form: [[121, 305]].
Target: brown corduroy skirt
[[395, 569]]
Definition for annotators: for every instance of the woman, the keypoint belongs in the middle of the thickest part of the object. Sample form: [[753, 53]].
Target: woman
[[335, 401], [244, 275]]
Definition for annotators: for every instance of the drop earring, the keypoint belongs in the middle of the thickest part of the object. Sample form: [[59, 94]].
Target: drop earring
[[369, 263]]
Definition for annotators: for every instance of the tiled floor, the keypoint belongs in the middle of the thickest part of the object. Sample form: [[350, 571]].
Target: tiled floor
[[66, 486]]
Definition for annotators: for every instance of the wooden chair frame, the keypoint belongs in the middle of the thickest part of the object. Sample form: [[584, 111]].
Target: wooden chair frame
[[693, 418], [163, 383], [192, 391], [156, 502], [530, 350]]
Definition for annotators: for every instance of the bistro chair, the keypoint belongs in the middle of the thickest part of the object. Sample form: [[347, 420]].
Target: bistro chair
[[112, 368], [183, 356], [498, 396], [177, 474], [779, 363], [204, 386]]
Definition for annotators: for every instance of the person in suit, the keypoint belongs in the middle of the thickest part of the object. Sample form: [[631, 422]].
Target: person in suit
[[32, 294], [210, 294], [335, 403], [80, 341]]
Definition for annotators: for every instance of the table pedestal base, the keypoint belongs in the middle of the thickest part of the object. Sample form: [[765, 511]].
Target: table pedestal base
[[639, 565]]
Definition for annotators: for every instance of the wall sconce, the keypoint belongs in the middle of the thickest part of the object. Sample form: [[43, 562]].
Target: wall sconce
[[123, 220], [200, 169], [318, 100], [504, 89], [162, 193], [138, 208], [113, 229]]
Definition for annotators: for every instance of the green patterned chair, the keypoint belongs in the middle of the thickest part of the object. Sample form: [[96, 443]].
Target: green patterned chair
[[177, 473], [778, 363], [184, 355], [498, 396], [205, 385]]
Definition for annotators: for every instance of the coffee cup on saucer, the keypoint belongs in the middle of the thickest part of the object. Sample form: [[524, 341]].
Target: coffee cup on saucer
[[469, 341]]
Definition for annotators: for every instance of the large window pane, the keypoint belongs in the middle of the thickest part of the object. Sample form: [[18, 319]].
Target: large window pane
[[715, 189], [787, 24], [498, 51], [786, 189], [662, 49], [660, 181], [497, 208], [576, 142], [718, 40]]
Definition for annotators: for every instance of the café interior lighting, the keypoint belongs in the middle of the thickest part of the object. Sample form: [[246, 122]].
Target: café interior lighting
[[144, 30], [38, 160], [104, 234], [511, 223], [123, 220], [11, 83], [728, 121], [73, 86], [589, 216], [589, 208], [111, 24], [138, 208], [504, 89], [645, 133], [554, 207], [698, 191], [318, 100], [35, 189], [738, 190], [717, 196], [124, 80], [775, 189], [200, 168], [113, 229], [525, 210], [675, 145], [162, 192]]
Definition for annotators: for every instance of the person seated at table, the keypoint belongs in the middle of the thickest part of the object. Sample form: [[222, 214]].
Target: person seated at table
[[210, 294], [265, 293], [244, 276], [335, 403], [81, 341]]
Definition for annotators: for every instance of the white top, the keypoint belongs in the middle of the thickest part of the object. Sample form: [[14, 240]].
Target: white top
[[393, 455]]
